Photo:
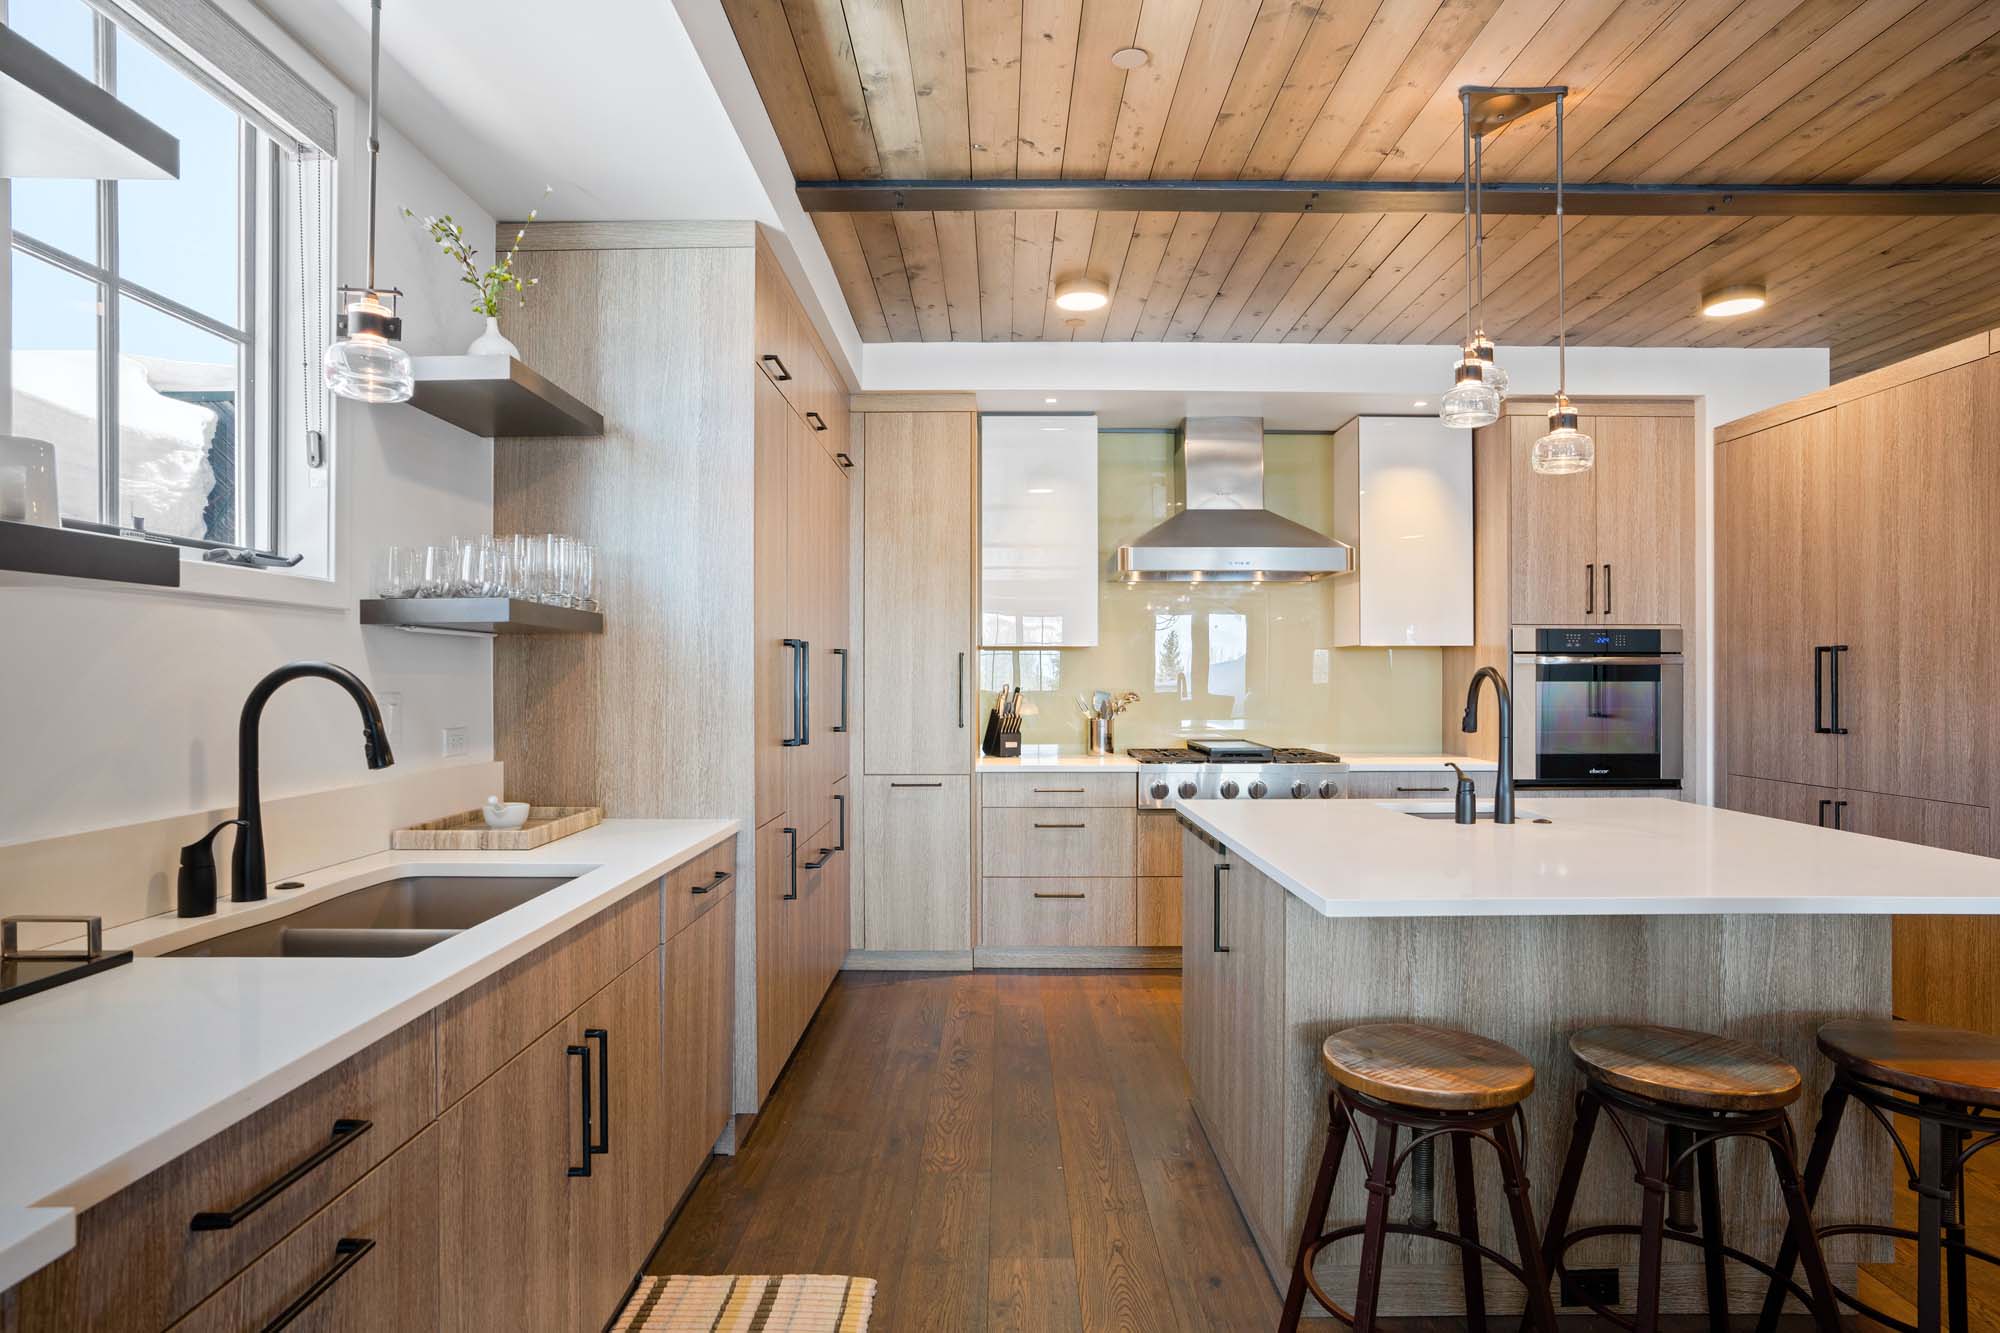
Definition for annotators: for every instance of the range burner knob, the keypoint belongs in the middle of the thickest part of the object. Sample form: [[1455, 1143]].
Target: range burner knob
[[1300, 791], [1327, 790], [1229, 790], [1257, 791], [1159, 791], [1187, 790]]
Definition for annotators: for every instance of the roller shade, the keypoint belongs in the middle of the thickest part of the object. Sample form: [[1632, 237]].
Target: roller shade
[[200, 39]]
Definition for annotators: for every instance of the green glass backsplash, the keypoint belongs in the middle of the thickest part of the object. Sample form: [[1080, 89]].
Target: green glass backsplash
[[1252, 661]]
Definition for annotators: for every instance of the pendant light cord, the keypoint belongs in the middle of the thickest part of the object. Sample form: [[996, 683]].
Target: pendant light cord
[[1465, 103], [1562, 317], [1479, 222], [374, 124]]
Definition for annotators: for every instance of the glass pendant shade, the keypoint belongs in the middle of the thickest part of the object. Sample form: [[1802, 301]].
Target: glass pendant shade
[[1565, 450], [364, 364], [1481, 347], [1471, 402]]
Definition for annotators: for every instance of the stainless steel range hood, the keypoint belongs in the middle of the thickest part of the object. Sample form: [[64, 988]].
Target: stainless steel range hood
[[1223, 533]]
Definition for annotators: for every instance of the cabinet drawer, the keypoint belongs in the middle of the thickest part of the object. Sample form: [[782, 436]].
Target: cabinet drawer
[[1070, 842], [697, 886], [368, 1260], [485, 1027], [1059, 789], [1423, 784], [140, 1264], [1051, 913]]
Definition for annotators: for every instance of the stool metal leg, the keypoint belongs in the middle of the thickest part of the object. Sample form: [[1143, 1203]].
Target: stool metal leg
[[1315, 1223], [1468, 1227], [1652, 1225], [1930, 1222], [1825, 1311], [1381, 1188], [1953, 1144], [1831, 1108], [1540, 1313], [1711, 1239], [1580, 1133]]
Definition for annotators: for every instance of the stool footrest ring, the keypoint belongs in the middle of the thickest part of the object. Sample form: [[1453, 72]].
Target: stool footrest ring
[[1556, 1267], [1312, 1252]]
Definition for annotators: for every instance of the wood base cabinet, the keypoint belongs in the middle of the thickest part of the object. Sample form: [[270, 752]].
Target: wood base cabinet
[[802, 924], [697, 1018], [919, 864]]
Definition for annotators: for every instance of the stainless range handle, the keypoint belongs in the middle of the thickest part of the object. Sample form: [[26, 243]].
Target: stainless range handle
[[1662, 660]]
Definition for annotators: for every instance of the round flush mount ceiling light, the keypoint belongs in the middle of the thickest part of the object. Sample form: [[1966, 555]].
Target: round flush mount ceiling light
[[1738, 298], [1130, 57], [1082, 294]]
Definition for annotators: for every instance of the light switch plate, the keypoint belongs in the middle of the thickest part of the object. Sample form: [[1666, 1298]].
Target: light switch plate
[[454, 742]]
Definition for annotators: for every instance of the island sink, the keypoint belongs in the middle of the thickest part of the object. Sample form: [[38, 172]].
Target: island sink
[[392, 919]]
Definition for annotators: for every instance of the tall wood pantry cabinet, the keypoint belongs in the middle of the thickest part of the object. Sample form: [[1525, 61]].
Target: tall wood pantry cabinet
[[718, 499], [1855, 631], [919, 553]]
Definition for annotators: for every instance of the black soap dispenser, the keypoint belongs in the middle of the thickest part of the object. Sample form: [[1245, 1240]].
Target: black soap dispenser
[[1465, 802], [196, 896]]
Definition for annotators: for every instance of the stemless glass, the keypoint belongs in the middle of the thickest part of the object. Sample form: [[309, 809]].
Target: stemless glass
[[555, 569], [440, 569], [583, 577], [392, 579]]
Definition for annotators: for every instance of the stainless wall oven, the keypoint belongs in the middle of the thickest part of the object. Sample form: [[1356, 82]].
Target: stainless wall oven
[[1598, 706]]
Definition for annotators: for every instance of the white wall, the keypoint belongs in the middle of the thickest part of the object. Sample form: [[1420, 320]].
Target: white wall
[[119, 705]]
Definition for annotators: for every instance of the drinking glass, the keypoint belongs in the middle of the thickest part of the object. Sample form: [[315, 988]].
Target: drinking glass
[[393, 578], [555, 569], [583, 577], [439, 572], [500, 573], [469, 577]]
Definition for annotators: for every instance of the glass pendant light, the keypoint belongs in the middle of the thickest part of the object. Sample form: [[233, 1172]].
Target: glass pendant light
[[364, 363], [1480, 347], [1471, 401], [1565, 450]]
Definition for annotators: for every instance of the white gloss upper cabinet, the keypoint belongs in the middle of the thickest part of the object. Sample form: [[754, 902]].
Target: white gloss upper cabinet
[[1039, 570], [1403, 499]]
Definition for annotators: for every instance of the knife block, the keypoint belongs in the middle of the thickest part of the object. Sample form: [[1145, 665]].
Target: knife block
[[1003, 736]]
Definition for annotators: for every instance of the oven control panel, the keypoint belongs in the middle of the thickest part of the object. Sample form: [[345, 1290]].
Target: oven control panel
[[1603, 639]]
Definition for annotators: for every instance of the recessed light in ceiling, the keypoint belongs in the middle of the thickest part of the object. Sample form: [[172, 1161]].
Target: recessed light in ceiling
[[1738, 298], [1049, 401], [1041, 490], [1082, 293], [1130, 57], [1421, 402]]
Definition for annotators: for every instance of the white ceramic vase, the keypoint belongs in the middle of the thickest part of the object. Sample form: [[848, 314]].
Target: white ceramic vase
[[490, 343]]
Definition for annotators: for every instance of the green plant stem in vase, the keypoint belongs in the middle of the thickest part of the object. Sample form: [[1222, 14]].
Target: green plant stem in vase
[[493, 283]]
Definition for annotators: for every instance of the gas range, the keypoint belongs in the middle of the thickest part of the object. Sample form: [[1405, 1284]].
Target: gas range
[[1228, 770]]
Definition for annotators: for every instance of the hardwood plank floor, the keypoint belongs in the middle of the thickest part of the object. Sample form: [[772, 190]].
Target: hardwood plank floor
[[1014, 1152]]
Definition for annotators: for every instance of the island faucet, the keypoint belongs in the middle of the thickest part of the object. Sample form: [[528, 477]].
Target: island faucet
[[247, 862], [1503, 788]]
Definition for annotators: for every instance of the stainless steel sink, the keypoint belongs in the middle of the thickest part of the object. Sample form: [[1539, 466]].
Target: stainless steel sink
[[393, 919], [1485, 814]]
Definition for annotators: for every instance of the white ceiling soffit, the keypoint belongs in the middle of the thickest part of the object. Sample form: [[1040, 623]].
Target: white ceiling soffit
[[606, 102]]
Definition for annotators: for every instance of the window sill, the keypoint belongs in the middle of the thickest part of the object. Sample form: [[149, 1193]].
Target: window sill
[[270, 587]]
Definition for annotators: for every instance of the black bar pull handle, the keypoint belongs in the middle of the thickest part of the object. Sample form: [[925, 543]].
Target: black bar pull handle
[[347, 1252], [825, 855], [1823, 807], [801, 692], [1607, 588], [602, 1036], [345, 1133], [1838, 728], [583, 1085], [840, 814], [1820, 651], [772, 359], [1040, 825], [841, 653], [1423, 790], [1838, 821], [792, 835], [1590, 589], [916, 784], [816, 421], [961, 691], [1216, 914], [722, 877]]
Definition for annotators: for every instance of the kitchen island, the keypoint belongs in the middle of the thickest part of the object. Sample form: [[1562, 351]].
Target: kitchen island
[[1304, 917]]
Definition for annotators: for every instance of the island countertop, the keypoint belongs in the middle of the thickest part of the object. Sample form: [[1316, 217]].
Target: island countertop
[[1596, 857]]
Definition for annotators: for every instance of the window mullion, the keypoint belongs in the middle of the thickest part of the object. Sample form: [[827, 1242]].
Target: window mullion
[[108, 483]]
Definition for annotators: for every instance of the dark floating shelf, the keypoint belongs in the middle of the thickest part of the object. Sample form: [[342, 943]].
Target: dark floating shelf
[[497, 396], [479, 615], [28, 548], [56, 123]]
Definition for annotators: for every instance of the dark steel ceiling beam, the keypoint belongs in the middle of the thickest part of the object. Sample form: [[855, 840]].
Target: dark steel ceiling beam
[[1604, 198]]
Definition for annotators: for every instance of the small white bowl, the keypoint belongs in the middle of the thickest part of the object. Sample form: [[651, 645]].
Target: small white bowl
[[504, 814]]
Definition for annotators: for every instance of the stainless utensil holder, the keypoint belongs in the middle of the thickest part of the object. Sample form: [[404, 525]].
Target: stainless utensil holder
[[1099, 740]]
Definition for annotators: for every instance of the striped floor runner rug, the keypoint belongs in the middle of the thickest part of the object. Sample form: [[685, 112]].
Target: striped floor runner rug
[[790, 1304]]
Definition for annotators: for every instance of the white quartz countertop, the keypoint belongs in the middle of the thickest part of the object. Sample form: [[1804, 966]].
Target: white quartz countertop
[[1597, 857], [115, 1075], [1055, 759]]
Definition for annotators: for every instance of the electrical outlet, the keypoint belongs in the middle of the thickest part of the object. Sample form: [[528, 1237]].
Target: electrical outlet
[[391, 703], [454, 742], [1590, 1286]]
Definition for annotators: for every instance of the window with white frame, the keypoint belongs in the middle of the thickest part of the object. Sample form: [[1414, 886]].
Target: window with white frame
[[165, 333]]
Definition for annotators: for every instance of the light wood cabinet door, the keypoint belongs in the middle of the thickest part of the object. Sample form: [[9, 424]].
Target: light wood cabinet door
[[1645, 518], [1555, 537], [792, 974], [698, 1019], [1946, 824], [918, 877], [776, 722], [507, 1204], [1250, 1101], [619, 1208], [1777, 559], [1914, 553], [1201, 980], [831, 652], [918, 576], [806, 581]]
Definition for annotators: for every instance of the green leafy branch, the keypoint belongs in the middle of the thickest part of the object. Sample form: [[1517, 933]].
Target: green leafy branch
[[494, 282]]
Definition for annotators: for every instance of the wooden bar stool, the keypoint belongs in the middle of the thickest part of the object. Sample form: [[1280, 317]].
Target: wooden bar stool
[[1948, 1081], [1437, 1083], [1689, 1091]]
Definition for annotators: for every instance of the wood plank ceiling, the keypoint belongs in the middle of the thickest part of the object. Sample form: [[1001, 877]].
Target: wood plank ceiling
[[1738, 91]]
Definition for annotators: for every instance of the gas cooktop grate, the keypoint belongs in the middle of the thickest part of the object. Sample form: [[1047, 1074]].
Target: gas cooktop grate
[[1186, 756]]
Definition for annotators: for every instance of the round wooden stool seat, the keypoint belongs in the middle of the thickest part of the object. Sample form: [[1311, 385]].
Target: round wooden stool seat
[[1684, 1068], [1948, 1063], [1437, 1069]]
